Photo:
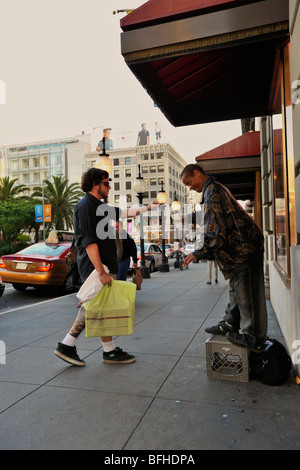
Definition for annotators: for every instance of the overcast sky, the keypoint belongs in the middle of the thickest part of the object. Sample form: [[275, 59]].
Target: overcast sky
[[64, 74]]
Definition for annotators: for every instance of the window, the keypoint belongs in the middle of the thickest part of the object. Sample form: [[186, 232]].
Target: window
[[128, 185], [159, 155], [145, 156], [14, 164], [117, 186], [116, 162], [116, 173], [128, 197], [35, 177], [145, 169], [153, 169], [128, 172], [153, 194], [283, 158], [161, 168], [161, 180], [127, 160], [152, 181], [117, 198], [35, 161], [25, 163]]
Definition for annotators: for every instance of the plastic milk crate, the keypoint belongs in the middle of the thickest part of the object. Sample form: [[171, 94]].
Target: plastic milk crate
[[225, 360]]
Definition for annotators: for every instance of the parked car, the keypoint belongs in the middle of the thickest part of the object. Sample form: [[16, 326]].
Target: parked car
[[169, 250], [153, 256], [41, 264], [2, 286]]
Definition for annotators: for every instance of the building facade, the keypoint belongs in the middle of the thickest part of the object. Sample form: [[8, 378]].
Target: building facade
[[32, 163], [160, 164]]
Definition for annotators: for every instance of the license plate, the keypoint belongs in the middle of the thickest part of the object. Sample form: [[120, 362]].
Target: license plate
[[21, 266]]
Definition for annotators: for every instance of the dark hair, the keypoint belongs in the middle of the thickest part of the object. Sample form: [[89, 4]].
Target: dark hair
[[189, 170], [91, 177]]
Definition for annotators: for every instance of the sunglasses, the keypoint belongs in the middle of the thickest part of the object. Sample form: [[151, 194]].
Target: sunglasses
[[105, 183]]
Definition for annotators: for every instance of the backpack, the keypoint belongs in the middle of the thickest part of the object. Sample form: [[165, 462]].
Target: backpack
[[272, 366]]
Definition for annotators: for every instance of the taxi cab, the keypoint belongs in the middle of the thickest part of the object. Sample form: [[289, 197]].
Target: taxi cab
[[41, 264]]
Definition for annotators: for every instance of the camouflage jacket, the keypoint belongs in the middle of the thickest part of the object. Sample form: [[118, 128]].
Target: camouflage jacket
[[230, 234]]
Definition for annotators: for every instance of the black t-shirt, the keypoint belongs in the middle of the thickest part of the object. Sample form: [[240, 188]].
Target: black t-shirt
[[143, 137], [93, 225]]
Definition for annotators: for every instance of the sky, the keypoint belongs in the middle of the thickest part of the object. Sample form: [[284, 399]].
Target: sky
[[64, 73]]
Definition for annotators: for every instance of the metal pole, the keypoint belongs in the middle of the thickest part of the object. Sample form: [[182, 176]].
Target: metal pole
[[144, 270], [164, 266], [43, 211]]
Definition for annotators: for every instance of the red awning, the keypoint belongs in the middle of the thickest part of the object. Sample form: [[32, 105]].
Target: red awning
[[247, 145], [206, 60], [158, 11]]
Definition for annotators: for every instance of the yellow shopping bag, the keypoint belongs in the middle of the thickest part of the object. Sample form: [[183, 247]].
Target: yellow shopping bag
[[112, 312]]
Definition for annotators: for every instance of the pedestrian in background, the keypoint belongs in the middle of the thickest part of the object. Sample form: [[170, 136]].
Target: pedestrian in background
[[129, 251], [237, 243], [210, 263]]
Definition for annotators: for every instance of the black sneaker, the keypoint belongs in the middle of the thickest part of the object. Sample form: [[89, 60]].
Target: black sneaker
[[245, 341], [220, 329], [117, 356], [69, 354]]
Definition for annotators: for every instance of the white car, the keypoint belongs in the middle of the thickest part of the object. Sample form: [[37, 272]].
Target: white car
[[153, 256], [188, 249]]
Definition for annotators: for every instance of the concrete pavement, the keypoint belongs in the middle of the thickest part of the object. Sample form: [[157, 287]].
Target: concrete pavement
[[162, 402]]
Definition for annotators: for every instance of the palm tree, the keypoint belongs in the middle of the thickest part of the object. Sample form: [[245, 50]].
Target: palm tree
[[62, 198], [8, 189]]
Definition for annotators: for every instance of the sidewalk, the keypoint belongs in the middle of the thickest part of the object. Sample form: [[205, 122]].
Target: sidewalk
[[164, 401]]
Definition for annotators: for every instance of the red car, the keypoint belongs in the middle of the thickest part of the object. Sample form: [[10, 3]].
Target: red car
[[41, 264]]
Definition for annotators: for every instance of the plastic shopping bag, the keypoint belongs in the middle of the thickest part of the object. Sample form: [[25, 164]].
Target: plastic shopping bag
[[91, 287], [112, 312]]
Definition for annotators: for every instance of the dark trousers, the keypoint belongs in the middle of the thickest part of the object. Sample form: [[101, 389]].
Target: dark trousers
[[123, 270], [248, 302]]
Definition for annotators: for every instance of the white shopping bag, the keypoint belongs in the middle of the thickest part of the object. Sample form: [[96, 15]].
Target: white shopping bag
[[91, 287]]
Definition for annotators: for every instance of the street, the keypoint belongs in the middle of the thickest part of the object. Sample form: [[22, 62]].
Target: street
[[12, 299], [163, 401]]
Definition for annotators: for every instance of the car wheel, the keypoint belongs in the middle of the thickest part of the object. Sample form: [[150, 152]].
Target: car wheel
[[152, 267], [68, 286], [19, 287]]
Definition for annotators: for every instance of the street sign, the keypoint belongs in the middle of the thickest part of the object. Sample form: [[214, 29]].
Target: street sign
[[38, 213], [43, 216], [47, 213]]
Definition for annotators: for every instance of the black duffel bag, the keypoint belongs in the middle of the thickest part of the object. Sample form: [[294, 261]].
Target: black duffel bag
[[272, 366]]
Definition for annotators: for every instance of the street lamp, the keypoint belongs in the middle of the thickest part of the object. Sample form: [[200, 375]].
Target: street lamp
[[176, 206], [104, 162], [140, 186], [162, 199]]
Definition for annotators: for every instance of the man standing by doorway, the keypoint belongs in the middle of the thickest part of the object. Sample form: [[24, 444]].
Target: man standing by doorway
[[93, 221], [237, 244]]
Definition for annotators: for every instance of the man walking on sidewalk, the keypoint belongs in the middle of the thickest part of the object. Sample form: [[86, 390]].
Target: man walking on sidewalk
[[95, 249], [237, 244]]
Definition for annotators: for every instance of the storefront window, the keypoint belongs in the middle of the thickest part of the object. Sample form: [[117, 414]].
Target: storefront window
[[283, 158]]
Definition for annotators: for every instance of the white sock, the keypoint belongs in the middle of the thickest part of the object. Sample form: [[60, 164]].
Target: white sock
[[69, 340], [109, 346]]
